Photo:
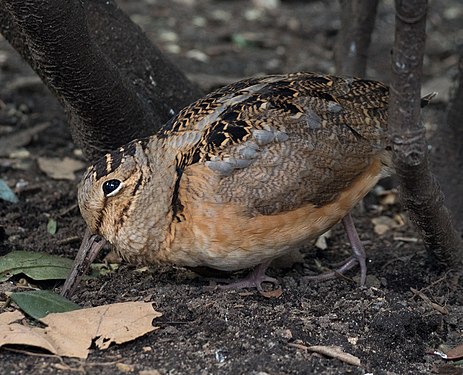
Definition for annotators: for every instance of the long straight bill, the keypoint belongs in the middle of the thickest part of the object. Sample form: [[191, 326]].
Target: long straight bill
[[88, 251]]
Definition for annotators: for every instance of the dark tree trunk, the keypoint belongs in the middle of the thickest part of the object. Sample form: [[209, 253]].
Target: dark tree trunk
[[420, 193], [353, 41], [113, 83], [451, 149]]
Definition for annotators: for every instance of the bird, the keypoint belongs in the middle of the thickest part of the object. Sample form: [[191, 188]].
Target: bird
[[242, 176]]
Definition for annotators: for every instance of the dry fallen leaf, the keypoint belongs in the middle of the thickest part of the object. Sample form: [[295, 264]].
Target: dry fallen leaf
[[60, 169], [321, 243], [455, 353], [10, 317], [274, 293], [13, 333], [70, 334], [388, 197], [11, 142], [383, 224]]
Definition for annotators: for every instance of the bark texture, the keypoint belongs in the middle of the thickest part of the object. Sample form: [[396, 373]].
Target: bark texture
[[452, 149], [353, 41], [113, 83], [420, 193]]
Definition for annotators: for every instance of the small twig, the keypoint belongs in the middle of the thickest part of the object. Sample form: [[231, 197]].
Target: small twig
[[438, 281], [33, 354], [442, 309], [330, 351], [68, 209], [68, 240]]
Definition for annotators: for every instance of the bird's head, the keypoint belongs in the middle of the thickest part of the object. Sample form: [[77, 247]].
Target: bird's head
[[126, 196]]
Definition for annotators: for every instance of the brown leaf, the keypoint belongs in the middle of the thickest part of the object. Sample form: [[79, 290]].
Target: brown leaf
[[274, 293], [12, 333], [455, 353], [10, 317], [12, 142], [70, 334], [60, 169], [388, 197], [383, 224]]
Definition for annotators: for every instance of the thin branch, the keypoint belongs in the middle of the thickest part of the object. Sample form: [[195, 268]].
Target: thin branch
[[354, 37], [420, 193], [450, 140], [455, 115]]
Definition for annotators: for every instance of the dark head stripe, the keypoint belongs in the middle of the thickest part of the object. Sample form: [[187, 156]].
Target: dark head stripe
[[115, 162], [99, 168], [108, 163], [111, 161]]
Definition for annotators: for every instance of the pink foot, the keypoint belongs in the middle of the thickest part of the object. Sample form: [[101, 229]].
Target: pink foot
[[253, 280], [358, 256]]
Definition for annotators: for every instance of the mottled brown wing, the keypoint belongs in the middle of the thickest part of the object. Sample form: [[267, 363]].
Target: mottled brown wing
[[282, 141]]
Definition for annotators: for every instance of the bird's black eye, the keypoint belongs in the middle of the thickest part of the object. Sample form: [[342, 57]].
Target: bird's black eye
[[111, 187]]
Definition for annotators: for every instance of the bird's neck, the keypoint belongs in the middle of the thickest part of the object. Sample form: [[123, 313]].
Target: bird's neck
[[146, 229]]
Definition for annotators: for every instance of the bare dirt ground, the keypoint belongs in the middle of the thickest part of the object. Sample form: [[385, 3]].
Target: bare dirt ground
[[204, 331]]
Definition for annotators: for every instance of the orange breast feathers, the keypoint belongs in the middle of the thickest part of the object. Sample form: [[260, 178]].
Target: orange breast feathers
[[226, 237]]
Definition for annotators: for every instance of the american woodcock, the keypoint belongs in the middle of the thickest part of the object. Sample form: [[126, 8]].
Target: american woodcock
[[242, 176]]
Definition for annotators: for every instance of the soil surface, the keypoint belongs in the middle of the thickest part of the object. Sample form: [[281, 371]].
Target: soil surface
[[408, 307]]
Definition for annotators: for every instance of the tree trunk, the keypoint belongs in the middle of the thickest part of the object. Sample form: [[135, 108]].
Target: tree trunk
[[353, 41], [420, 193], [112, 82], [451, 149]]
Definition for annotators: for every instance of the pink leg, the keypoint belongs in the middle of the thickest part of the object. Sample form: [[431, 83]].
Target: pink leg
[[254, 280], [357, 247], [358, 255]]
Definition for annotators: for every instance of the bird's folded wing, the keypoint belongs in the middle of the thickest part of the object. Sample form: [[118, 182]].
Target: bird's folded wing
[[280, 142]]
